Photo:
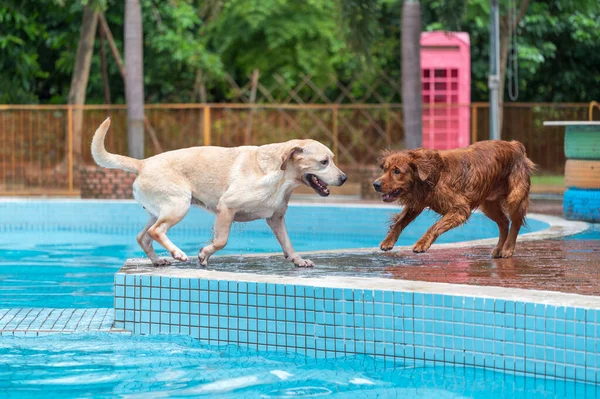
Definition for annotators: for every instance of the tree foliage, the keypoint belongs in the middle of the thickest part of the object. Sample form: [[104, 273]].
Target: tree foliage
[[559, 45]]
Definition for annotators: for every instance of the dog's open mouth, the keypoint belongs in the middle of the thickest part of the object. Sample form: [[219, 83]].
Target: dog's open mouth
[[392, 195], [317, 184]]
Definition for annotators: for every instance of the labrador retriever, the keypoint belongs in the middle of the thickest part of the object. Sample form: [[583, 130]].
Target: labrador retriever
[[238, 184]]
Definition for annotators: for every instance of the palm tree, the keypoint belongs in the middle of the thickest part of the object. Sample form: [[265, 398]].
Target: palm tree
[[134, 78]]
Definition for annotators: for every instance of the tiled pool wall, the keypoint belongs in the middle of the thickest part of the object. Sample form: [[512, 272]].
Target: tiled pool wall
[[513, 336]]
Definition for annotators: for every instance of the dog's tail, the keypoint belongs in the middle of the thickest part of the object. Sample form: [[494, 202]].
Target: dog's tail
[[529, 165], [108, 160], [519, 184]]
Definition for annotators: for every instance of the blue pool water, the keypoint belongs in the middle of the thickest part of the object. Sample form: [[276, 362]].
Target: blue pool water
[[64, 253], [123, 366]]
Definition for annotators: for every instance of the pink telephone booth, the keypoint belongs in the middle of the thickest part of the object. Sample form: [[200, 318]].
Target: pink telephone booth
[[446, 78]]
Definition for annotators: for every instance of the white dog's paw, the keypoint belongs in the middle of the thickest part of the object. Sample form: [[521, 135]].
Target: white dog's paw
[[161, 262], [179, 255], [299, 262], [203, 258]]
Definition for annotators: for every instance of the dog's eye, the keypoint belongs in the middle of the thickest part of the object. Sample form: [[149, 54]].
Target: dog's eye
[[325, 162], [396, 171]]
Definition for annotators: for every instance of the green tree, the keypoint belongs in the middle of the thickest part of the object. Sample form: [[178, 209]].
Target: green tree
[[175, 49], [21, 32], [558, 46], [560, 52], [286, 37]]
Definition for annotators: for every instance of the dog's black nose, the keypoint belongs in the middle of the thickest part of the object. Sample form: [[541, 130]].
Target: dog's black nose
[[377, 185], [343, 179]]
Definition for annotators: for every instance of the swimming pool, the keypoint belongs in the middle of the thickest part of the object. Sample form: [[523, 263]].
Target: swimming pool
[[64, 253], [117, 365], [288, 340]]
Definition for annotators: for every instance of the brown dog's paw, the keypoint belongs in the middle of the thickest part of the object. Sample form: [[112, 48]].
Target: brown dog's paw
[[497, 253], [505, 253], [387, 245], [421, 247]]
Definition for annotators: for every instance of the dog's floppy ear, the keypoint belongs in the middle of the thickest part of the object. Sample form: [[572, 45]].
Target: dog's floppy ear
[[289, 155], [424, 161], [274, 157], [423, 171]]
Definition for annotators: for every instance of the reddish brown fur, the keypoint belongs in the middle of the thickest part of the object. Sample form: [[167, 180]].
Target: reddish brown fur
[[491, 175]]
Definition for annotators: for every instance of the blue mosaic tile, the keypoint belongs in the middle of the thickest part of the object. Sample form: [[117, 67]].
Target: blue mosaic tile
[[323, 321]]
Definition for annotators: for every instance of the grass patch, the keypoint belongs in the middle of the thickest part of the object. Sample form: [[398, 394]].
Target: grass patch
[[548, 180]]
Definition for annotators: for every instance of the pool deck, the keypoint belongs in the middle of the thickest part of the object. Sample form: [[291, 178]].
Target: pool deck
[[567, 266], [546, 265]]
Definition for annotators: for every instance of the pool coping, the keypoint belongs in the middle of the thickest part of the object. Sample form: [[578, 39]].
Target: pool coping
[[143, 267], [571, 123]]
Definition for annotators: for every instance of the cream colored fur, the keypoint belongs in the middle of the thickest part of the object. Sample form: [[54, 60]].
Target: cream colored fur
[[237, 184]]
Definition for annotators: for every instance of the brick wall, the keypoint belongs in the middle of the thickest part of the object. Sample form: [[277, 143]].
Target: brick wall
[[98, 182]]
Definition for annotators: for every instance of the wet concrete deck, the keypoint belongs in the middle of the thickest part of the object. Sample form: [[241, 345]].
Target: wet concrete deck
[[568, 265]]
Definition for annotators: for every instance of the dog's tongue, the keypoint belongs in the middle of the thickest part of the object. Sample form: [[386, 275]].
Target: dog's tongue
[[388, 197], [321, 185]]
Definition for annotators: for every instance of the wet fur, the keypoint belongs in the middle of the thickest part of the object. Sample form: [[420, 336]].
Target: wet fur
[[494, 176]]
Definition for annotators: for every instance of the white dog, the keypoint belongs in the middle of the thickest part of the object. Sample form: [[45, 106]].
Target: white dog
[[238, 184]]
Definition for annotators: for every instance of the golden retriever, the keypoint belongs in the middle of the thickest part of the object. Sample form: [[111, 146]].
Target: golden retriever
[[493, 175], [238, 184]]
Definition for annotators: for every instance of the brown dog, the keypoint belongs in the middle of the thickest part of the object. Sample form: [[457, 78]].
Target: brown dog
[[492, 175]]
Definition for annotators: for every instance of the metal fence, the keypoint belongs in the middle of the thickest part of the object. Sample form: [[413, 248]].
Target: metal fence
[[41, 149]]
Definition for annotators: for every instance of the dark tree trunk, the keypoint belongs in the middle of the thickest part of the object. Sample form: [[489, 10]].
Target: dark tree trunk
[[411, 73]]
